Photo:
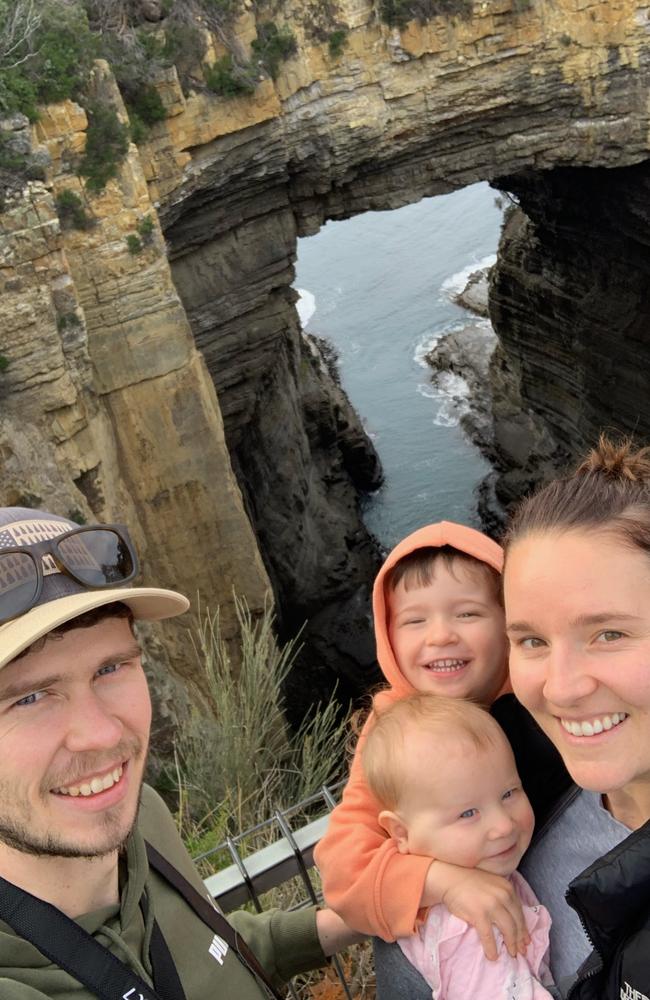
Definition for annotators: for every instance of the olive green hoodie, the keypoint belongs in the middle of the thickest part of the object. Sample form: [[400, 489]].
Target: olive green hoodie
[[284, 943]]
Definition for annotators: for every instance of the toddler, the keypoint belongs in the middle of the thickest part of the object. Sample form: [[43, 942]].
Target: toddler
[[445, 777], [439, 628]]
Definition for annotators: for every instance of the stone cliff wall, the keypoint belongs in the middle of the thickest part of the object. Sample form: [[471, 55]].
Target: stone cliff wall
[[570, 299], [116, 412]]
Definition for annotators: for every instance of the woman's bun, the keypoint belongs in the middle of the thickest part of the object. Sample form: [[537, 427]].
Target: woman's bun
[[617, 460]]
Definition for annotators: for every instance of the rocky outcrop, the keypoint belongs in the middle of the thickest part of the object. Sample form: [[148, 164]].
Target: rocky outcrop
[[116, 410], [570, 298]]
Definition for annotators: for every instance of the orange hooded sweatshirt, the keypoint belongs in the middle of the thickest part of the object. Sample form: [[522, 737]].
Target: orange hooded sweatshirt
[[373, 887]]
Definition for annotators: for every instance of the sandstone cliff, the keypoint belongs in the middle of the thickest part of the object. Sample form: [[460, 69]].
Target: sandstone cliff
[[116, 410]]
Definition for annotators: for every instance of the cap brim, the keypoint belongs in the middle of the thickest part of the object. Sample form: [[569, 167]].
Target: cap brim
[[146, 603]]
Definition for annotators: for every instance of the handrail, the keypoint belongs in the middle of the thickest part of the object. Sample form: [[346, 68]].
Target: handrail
[[246, 879]]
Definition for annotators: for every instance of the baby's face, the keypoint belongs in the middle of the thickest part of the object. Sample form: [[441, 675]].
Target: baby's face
[[465, 805], [448, 636]]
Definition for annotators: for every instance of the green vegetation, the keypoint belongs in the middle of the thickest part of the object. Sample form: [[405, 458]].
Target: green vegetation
[[146, 229], [273, 45], [255, 764], [107, 143], [134, 244], [71, 211], [399, 12], [228, 79], [4, 363], [337, 42], [46, 51], [67, 321]]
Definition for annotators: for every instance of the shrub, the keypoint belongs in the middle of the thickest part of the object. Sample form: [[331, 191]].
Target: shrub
[[228, 79], [71, 211], [254, 765], [107, 143], [146, 228], [397, 13], [4, 363], [148, 106], [51, 59], [337, 42], [67, 321], [273, 45], [134, 244]]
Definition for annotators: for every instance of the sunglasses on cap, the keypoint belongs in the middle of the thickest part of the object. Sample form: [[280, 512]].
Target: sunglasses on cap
[[94, 557]]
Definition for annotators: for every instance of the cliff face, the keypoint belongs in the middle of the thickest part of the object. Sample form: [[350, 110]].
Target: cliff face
[[116, 410], [570, 299]]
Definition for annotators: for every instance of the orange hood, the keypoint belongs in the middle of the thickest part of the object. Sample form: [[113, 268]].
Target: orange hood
[[467, 540]]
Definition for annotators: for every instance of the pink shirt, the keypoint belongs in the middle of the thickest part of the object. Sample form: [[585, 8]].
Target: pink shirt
[[449, 955]]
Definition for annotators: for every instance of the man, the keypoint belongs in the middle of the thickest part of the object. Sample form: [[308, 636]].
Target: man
[[98, 897]]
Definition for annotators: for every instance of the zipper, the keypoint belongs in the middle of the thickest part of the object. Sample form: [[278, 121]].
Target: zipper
[[596, 954]]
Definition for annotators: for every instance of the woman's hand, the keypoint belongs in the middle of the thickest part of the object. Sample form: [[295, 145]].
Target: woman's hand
[[482, 900]]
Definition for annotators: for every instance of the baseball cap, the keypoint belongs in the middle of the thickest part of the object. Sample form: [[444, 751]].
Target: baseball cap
[[79, 568]]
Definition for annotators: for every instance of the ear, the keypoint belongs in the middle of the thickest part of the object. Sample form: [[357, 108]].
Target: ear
[[396, 828]]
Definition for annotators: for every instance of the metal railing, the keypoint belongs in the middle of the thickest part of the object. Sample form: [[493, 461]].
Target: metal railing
[[290, 854]]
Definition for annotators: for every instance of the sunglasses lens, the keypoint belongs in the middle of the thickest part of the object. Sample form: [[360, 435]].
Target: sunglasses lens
[[18, 583], [98, 557]]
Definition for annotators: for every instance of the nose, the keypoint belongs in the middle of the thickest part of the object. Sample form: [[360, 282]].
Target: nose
[[501, 824], [441, 632], [568, 679], [91, 725]]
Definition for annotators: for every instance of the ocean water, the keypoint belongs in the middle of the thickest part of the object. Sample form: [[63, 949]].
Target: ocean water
[[379, 287]]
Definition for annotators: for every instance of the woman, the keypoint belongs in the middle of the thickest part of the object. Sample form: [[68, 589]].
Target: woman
[[577, 596]]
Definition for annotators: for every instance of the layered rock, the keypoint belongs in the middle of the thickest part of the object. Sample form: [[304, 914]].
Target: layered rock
[[570, 299]]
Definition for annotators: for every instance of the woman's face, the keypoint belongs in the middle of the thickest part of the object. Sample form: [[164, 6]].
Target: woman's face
[[578, 619]]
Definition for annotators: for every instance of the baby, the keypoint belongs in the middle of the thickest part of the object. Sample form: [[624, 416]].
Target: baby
[[444, 775]]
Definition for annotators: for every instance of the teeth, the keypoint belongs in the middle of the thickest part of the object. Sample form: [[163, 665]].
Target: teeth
[[94, 786], [445, 666], [594, 727]]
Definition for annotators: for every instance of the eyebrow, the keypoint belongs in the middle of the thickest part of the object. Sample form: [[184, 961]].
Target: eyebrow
[[579, 622], [19, 688]]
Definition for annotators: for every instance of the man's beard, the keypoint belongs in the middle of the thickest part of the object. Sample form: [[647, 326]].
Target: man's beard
[[18, 832]]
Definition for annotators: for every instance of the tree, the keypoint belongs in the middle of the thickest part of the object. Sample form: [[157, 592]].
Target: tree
[[19, 22]]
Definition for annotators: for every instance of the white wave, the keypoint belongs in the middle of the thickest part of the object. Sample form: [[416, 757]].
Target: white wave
[[306, 306], [427, 390], [423, 346], [454, 396], [456, 283]]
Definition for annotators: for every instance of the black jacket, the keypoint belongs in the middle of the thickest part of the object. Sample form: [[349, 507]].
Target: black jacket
[[612, 899], [612, 896]]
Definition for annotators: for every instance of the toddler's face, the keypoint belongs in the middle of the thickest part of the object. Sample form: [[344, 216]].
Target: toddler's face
[[465, 805], [448, 636]]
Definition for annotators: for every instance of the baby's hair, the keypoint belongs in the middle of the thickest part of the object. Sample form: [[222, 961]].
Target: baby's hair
[[609, 490], [444, 719], [417, 569]]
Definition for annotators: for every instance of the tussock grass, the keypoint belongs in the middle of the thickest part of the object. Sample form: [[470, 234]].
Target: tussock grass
[[255, 765]]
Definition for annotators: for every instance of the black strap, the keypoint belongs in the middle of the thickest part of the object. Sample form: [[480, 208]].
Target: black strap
[[210, 916], [74, 950], [69, 946]]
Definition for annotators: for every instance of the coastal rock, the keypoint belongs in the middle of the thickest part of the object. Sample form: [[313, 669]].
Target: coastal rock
[[474, 296], [466, 353]]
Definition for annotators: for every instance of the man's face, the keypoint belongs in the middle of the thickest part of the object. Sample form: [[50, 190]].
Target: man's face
[[74, 729]]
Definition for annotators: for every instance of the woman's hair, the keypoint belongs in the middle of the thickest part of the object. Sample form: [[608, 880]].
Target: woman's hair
[[609, 490], [417, 569], [444, 719]]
